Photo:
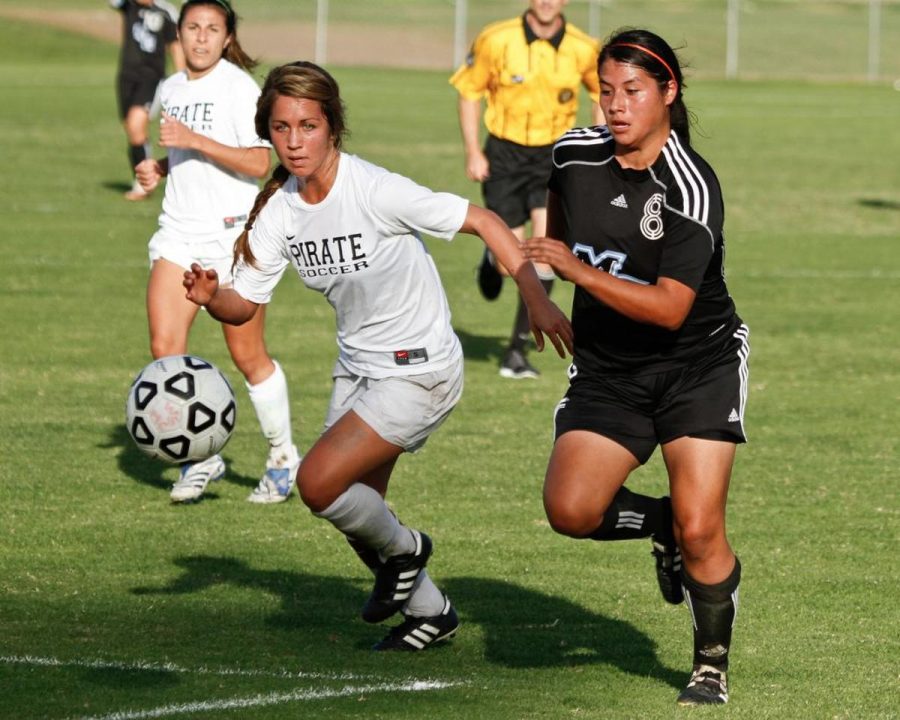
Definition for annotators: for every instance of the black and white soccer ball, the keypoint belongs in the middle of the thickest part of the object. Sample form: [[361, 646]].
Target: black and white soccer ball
[[180, 409]]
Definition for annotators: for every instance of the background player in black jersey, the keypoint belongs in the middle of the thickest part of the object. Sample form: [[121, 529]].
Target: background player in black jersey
[[148, 31], [660, 353]]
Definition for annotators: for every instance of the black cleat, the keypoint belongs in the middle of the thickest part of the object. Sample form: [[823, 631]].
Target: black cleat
[[668, 561], [516, 366], [394, 580], [420, 633], [708, 686], [490, 281]]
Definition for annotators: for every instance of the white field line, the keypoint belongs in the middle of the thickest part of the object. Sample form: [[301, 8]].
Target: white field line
[[272, 699], [411, 685], [138, 665]]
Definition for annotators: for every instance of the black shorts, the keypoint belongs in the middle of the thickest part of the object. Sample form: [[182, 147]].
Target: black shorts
[[518, 179], [703, 400], [135, 91]]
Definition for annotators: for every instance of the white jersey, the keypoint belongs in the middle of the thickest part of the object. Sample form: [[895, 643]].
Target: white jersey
[[202, 198], [361, 248]]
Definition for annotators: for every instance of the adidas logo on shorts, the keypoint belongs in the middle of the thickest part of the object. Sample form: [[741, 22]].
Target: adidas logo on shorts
[[734, 417]]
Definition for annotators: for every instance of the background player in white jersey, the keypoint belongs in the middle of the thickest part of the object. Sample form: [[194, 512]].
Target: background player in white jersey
[[351, 231], [660, 353], [214, 157]]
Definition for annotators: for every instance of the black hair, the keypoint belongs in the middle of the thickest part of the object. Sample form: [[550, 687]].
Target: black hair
[[654, 56]]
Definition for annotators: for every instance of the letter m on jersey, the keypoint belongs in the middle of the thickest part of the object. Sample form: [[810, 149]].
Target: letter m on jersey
[[609, 260]]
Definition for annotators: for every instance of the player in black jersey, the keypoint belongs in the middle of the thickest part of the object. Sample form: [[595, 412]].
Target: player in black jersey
[[635, 220], [148, 31]]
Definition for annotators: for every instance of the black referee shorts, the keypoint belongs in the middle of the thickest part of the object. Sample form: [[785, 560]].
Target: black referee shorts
[[518, 179], [703, 400], [135, 91]]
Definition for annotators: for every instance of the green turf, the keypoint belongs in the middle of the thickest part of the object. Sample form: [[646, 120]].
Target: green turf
[[115, 604]]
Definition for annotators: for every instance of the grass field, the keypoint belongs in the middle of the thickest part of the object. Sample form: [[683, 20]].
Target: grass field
[[115, 604]]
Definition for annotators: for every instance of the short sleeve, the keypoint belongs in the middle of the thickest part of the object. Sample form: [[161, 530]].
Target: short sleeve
[[245, 96], [689, 247], [401, 206], [472, 78], [257, 283]]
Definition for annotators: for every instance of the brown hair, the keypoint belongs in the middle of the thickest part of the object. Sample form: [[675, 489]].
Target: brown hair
[[233, 53], [304, 81]]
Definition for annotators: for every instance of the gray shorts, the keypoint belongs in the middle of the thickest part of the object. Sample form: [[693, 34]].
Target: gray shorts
[[403, 410]]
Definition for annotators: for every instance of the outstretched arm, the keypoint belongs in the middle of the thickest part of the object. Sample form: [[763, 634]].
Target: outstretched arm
[[224, 304], [545, 316]]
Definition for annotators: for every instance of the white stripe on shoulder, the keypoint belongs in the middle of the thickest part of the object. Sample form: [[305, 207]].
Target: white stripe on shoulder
[[583, 137], [694, 189]]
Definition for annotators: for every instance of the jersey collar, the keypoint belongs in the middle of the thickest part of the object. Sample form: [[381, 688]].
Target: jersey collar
[[555, 40]]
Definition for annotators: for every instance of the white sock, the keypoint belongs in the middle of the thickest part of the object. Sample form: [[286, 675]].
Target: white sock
[[270, 401], [426, 600], [362, 514]]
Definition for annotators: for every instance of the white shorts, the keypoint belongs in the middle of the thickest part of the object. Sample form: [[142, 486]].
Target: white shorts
[[403, 410], [212, 251]]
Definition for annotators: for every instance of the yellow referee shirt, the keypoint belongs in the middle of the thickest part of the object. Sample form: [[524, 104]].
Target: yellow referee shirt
[[531, 84]]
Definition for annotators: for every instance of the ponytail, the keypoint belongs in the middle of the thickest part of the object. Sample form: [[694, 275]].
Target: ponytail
[[235, 54], [242, 251]]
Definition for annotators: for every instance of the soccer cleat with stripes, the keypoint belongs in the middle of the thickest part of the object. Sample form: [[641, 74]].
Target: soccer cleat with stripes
[[707, 686], [194, 477], [420, 633], [668, 560], [394, 580]]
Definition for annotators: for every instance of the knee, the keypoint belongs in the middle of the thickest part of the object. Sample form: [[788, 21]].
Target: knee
[[315, 490], [162, 346], [698, 537], [571, 518]]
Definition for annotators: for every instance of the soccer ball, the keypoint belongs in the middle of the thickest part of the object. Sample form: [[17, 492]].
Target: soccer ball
[[180, 409]]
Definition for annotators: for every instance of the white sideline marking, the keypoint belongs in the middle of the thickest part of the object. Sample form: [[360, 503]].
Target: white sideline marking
[[230, 704], [172, 667], [272, 699]]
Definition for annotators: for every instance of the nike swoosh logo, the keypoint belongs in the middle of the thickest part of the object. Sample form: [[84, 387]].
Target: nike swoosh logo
[[289, 237]]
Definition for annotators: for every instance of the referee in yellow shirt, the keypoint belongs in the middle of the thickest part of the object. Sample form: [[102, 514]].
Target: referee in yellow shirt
[[529, 68]]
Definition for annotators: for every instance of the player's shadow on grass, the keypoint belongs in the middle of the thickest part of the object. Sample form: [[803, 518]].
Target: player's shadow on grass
[[880, 203], [522, 628], [480, 347], [133, 463], [116, 186]]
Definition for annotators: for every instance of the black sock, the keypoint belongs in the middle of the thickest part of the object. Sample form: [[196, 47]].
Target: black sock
[[521, 333], [713, 609], [631, 516], [137, 153]]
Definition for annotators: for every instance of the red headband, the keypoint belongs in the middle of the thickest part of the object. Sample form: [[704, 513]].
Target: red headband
[[649, 52]]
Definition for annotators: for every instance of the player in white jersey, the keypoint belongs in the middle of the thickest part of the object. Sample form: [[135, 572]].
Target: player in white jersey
[[214, 160], [351, 231]]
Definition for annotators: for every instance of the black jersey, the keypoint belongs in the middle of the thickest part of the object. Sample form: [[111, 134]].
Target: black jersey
[[147, 31], [640, 225]]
